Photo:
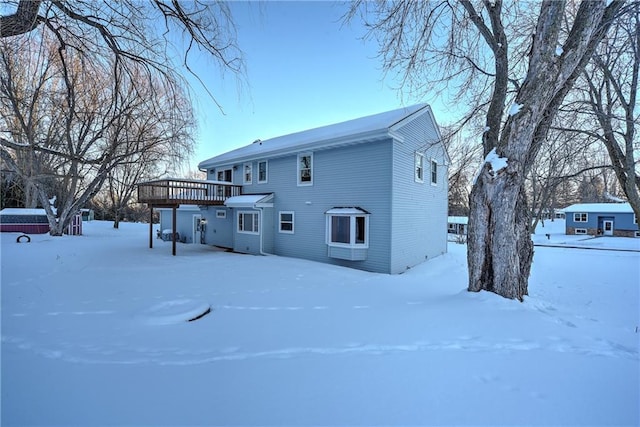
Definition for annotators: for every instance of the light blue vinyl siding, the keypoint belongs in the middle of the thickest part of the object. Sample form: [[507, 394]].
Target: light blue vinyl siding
[[244, 242], [419, 219], [219, 231], [357, 175]]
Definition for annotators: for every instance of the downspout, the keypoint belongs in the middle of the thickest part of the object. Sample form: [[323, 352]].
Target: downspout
[[261, 230]]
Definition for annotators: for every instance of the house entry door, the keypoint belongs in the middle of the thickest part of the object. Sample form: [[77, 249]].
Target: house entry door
[[197, 228], [608, 227]]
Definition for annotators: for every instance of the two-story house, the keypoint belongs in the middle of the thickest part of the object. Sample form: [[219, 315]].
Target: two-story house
[[369, 193]]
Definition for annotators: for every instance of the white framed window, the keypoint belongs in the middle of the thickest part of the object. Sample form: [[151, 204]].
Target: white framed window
[[287, 219], [580, 217], [434, 172], [419, 167], [263, 172], [225, 175], [635, 219], [348, 227], [581, 231], [637, 233], [247, 173], [222, 214], [248, 222], [305, 169]]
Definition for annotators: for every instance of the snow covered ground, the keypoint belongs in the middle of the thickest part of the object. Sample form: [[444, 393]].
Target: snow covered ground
[[94, 333]]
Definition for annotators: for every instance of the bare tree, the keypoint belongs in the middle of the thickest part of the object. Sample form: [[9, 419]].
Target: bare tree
[[464, 164], [132, 31], [75, 124], [77, 147], [610, 95], [163, 129], [524, 73]]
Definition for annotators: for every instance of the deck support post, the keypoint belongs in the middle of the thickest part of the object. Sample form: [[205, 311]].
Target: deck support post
[[173, 236], [150, 226]]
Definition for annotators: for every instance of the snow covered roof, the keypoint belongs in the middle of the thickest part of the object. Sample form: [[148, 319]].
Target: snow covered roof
[[458, 220], [350, 132], [346, 211], [248, 200], [600, 207], [22, 211]]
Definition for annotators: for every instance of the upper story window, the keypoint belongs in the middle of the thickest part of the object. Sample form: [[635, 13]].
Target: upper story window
[[247, 173], [580, 217], [225, 175], [263, 168], [305, 169], [419, 167], [434, 172]]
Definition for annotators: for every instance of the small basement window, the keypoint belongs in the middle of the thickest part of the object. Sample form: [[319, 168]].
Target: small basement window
[[581, 231]]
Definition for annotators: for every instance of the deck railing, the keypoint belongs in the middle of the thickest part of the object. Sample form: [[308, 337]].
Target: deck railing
[[170, 192]]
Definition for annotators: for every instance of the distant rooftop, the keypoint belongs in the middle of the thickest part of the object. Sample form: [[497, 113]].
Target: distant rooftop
[[600, 207]]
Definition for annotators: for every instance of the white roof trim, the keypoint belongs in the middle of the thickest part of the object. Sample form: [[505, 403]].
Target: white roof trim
[[250, 201]]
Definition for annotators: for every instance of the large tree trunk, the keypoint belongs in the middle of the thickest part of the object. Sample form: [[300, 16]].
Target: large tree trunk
[[500, 250]]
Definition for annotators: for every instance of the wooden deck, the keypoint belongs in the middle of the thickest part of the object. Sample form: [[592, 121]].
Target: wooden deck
[[174, 192]]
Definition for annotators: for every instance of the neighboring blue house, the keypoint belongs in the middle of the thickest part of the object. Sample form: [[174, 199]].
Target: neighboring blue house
[[369, 193], [602, 219]]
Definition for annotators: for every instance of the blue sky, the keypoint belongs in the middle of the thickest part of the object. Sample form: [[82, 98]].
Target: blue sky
[[305, 69]]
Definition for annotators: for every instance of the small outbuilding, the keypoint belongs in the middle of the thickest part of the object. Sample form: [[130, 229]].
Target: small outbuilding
[[457, 225], [22, 220], [602, 219], [87, 214]]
